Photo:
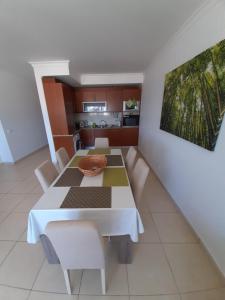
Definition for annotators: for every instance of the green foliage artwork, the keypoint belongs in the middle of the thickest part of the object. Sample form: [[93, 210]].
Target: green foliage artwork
[[194, 98]]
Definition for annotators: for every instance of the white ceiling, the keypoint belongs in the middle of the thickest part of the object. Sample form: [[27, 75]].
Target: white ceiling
[[97, 36]]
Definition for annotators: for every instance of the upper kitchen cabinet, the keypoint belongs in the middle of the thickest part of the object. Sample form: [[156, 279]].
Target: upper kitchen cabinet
[[59, 100], [114, 98], [131, 93]]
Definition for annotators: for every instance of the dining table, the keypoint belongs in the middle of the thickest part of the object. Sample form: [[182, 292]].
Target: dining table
[[105, 199]]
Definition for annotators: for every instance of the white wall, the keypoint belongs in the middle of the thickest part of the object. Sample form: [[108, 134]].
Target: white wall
[[193, 176], [5, 152], [20, 114]]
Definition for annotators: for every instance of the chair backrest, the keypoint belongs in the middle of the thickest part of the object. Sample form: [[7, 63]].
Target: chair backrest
[[62, 158], [78, 244], [46, 173], [130, 159], [138, 178], [101, 142]]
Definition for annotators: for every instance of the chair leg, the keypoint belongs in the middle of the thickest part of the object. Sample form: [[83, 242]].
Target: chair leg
[[67, 280], [103, 281]]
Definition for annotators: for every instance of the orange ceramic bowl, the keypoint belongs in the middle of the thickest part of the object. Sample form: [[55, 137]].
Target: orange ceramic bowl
[[92, 165]]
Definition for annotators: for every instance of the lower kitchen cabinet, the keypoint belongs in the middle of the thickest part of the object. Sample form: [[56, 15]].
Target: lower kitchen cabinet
[[66, 142], [117, 136], [87, 137]]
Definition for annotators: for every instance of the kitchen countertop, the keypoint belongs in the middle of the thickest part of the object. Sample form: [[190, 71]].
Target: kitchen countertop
[[109, 127]]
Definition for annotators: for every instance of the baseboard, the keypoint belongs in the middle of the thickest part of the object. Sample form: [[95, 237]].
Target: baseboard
[[26, 156]]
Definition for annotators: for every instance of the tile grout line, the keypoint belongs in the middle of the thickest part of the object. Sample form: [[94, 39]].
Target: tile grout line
[[167, 259]]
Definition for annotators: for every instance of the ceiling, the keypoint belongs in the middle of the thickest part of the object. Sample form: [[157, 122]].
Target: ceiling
[[97, 36]]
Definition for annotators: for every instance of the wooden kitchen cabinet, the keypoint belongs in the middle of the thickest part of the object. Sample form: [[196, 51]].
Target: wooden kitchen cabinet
[[113, 95], [66, 142], [131, 93], [59, 101], [87, 137], [117, 136], [114, 98], [129, 136]]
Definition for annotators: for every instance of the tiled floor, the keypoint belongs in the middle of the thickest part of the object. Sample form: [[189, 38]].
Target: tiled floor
[[168, 262]]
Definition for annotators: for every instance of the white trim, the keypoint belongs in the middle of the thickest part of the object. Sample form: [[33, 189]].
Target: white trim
[[117, 78], [48, 68]]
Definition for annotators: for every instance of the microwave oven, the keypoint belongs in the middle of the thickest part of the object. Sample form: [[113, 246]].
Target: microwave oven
[[94, 106], [131, 105]]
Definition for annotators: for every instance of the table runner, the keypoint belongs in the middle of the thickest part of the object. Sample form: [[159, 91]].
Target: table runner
[[114, 160], [70, 177], [99, 151], [115, 177], [88, 197]]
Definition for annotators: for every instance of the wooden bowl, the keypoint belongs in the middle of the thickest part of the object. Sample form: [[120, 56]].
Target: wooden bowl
[[92, 165]]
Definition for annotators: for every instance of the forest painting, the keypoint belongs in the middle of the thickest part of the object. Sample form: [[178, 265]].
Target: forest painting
[[194, 98]]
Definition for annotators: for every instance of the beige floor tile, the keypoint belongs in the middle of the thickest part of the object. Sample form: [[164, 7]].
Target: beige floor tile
[[5, 247], [149, 273], [157, 197], [50, 296], [25, 187], [29, 201], [37, 190], [164, 297], [173, 228], [82, 297], [9, 293], [116, 278], [6, 186], [23, 237], [10, 201], [192, 268], [3, 215], [205, 295], [150, 235], [51, 279], [13, 226], [21, 266]]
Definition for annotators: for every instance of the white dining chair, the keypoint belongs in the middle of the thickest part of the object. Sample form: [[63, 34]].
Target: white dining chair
[[46, 173], [62, 158], [130, 159], [138, 178], [78, 245], [101, 142]]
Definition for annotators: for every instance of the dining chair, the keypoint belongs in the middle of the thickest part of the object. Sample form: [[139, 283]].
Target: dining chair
[[138, 178], [62, 158], [101, 142], [46, 173], [130, 159], [78, 245]]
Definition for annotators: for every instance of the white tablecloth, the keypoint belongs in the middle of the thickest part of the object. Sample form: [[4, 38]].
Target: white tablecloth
[[121, 219]]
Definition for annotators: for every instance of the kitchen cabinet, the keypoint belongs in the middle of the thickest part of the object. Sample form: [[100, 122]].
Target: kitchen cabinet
[[66, 142], [117, 136], [59, 101], [131, 93], [114, 98], [113, 95], [87, 137]]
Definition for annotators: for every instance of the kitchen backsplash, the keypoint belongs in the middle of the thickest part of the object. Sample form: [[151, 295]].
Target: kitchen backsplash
[[110, 118]]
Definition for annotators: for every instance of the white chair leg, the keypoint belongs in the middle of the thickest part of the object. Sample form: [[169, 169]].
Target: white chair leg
[[67, 280], [103, 281]]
